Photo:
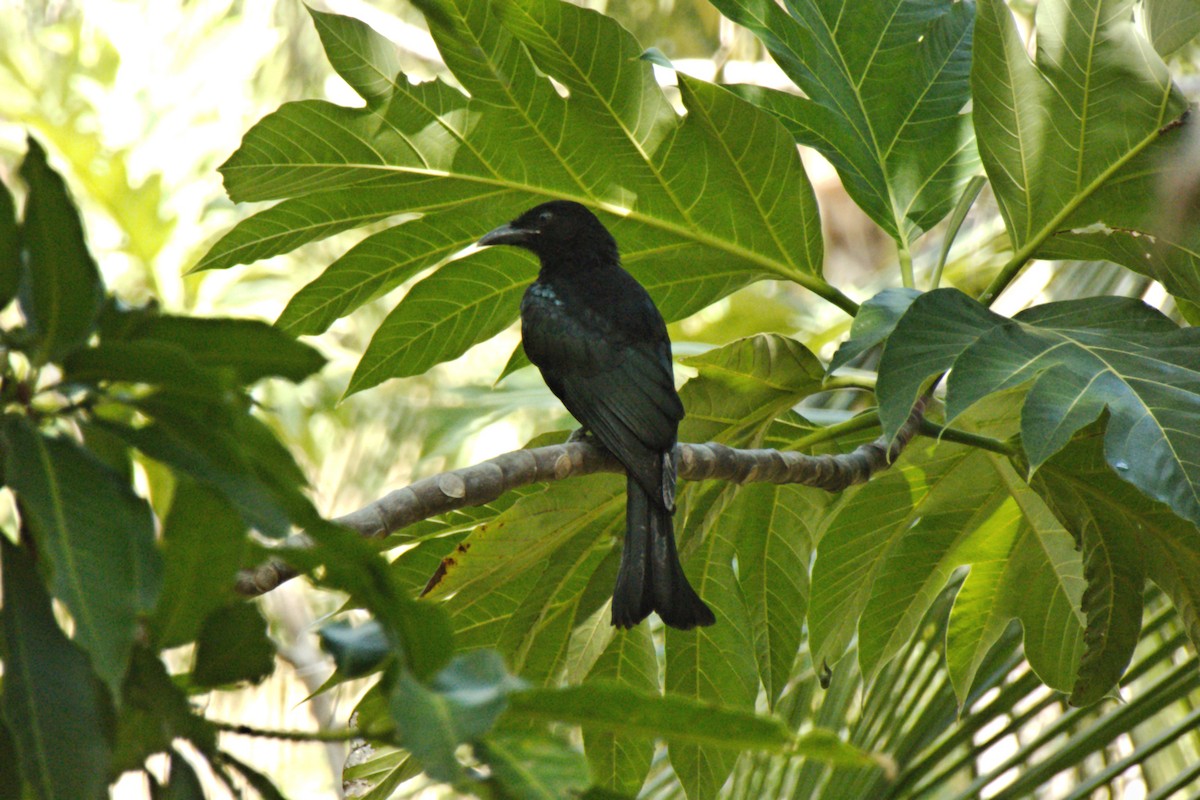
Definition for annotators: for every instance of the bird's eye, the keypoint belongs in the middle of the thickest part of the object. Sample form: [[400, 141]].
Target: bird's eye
[[545, 217]]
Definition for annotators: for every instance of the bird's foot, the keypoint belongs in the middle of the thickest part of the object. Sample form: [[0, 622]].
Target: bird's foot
[[581, 435]]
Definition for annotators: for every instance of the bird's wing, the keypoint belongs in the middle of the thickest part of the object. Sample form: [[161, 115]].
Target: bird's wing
[[625, 395]]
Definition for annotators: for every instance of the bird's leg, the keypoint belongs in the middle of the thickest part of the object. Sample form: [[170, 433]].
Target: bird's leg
[[581, 434]]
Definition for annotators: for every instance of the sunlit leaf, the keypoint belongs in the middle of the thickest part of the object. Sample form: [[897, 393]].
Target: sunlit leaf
[[1074, 140], [775, 533], [619, 761], [1171, 24], [366, 60], [520, 543], [61, 290], [744, 385], [535, 766], [668, 186], [711, 665], [884, 97], [1024, 566]]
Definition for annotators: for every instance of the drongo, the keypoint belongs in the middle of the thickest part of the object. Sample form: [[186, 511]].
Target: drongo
[[602, 348]]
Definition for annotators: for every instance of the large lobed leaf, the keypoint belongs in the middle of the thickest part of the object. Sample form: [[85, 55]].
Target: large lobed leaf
[[886, 85], [889, 550], [700, 205], [1081, 357], [1126, 537], [1075, 141]]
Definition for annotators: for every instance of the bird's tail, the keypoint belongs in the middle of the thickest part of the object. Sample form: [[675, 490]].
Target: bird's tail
[[651, 577]]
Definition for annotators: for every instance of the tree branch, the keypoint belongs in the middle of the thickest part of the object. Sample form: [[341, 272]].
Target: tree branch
[[484, 482]]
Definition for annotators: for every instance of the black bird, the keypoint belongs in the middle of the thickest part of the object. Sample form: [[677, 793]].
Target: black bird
[[602, 348]]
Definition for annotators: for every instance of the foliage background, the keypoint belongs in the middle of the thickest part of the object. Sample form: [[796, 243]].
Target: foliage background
[[144, 164]]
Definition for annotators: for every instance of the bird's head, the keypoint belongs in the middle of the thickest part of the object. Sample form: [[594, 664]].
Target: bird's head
[[557, 231]]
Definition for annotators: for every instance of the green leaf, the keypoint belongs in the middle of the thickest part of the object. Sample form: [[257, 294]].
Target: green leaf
[[10, 247], [233, 647], [462, 704], [356, 650], [884, 97], [875, 321], [62, 291], [1080, 182], [891, 547], [1080, 357], [11, 785], [860, 539], [534, 766], [253, 778], [251, 349], [381, 262], [1171, 24], [319, 214], [516, 545], [366, 60], [380, 770], [666, 186], [1126, 537], [419, 632], [776, 528], [1024, 566], [1116, 579], [51, 697], [535, 636], [622, 709], [460, 304], [826, 746], [714, 664], [153, 363], [618, 761], [97, 537], [204, 545], [154, 713], [745, 385], [216, 441], [182, 782]]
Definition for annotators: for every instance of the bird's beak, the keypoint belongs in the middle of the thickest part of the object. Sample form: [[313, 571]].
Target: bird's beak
[[506, 234]]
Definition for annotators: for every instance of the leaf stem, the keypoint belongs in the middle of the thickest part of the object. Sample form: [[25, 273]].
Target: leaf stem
[[853, 425], [343, 735], [906, 264], [935, 431], [865, 382], [825, 291], [965, 201]]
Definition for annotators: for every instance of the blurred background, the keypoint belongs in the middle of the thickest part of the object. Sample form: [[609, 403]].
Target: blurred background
[[139, 101]]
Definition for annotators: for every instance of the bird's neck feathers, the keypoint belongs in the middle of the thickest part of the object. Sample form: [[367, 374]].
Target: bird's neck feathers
[[595, 258]]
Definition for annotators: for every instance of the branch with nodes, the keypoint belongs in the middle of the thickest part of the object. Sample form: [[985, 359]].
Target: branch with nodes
[[484, 482]]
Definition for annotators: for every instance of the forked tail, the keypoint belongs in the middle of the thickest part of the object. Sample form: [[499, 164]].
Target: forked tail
[[651, 577]]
